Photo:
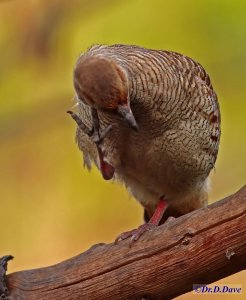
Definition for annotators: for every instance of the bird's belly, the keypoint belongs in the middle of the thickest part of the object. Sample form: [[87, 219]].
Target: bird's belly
[[148, 182], [147, 177], [152, 165]]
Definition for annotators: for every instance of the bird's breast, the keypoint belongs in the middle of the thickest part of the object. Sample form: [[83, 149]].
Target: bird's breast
[[140, 156]]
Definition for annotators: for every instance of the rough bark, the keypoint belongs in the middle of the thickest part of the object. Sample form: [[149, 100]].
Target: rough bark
[[200, 247]]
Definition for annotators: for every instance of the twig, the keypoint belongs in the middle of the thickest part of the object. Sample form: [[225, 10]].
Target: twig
[[200, 247]]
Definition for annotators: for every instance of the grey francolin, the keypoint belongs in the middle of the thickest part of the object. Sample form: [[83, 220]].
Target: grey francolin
[[149, 119]]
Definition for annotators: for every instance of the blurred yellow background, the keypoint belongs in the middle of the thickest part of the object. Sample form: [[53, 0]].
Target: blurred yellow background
[[51, 208]]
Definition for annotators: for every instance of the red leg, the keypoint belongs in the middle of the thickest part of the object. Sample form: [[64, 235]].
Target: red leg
[[154, 221], [97, 137], [159, 212]]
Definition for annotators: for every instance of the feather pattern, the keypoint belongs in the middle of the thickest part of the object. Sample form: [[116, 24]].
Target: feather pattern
[[176, 108]]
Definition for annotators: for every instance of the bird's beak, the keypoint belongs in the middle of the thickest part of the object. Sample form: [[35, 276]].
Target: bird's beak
[[126, 112]]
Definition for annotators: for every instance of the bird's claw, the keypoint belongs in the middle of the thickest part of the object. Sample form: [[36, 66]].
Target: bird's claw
[[95, 133], [98, 136], [135, 234]]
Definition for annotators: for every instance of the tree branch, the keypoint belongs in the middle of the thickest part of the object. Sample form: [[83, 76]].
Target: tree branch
[[200, 247]]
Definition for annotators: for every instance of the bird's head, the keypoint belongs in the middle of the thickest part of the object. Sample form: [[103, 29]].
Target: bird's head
[[103, 85]]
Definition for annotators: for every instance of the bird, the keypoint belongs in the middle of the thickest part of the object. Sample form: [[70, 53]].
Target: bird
[[149, 119]]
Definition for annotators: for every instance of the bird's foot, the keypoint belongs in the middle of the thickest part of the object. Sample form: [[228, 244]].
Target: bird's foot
[[97, 135], [135, 234], [153, 222]]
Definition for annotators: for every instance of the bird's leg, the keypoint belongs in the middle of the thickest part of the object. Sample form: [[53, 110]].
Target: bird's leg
[[97, 137], [95, 134], [154, 221]]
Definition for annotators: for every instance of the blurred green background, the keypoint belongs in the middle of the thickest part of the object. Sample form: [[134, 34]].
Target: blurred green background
[[51, 208]]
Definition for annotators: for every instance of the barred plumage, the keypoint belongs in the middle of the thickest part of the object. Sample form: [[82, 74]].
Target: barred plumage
[[177, 112]]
